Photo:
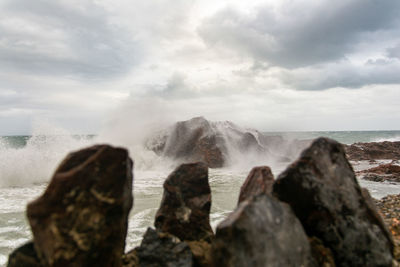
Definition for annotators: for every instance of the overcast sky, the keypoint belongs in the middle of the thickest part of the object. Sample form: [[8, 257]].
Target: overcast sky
[[272, 65]]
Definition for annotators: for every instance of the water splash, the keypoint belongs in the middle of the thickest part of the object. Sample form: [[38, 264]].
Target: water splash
[[36, 161]]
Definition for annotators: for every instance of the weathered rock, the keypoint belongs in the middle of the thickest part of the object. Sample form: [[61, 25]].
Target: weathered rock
[[322, 190], [130, 259], [191, 141], [81, 219], [259, 181], [373, 151], [185, 207], [262, 231], [24, 256], [384, 172], [201, 252], [201, 140], [321, 254], [161, 249]]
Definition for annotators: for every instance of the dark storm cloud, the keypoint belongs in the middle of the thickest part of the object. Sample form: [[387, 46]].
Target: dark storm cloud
[[56, 38], [302, 33], [344, 75]]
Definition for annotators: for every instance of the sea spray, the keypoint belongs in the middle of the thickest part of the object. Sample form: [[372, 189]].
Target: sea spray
[[36, 161]]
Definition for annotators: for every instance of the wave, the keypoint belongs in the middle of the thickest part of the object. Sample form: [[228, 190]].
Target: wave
[[27, 160], [36, 161], [389, 139]]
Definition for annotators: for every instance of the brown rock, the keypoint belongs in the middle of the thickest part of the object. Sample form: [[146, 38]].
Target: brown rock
[[81, 219], [201, 252], [321, 254], [384, 172], [24, 256], [201, 140], [185, 207], [322, 189], [373, 151], [159, 249], [192, 141], [259, 181]]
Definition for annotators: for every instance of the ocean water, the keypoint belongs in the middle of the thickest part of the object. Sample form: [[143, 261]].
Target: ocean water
[[28, 162]]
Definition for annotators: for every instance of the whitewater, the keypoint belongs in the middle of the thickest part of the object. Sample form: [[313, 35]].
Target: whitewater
[[28, 162]]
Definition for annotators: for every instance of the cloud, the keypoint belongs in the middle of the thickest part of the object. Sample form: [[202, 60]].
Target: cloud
[[394, 52], [342, 74], [301, 33], [269, 64], [47, 37]]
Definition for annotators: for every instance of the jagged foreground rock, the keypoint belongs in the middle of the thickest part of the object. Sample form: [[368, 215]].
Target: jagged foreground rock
[[159, 249], [259, 181], [81, 219], [185, 206], [322, 190], [24, 256], [183, 232], [262, 231]]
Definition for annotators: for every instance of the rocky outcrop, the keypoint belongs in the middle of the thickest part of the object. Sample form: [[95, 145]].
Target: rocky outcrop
[[261, 232], [159, 249], [81, 219], [213, 143], [259, 181], [322, 189], [373, 151], [385, 172], [191, 141], [24, 256], [185, 206]]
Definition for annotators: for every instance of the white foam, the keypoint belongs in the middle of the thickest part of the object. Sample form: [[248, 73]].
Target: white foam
[[391, 139], [35, 162]]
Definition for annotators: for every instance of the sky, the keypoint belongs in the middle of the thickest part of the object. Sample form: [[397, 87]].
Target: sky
[[287, 65]]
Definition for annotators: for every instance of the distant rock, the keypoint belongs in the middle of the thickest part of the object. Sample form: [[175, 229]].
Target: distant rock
[[217, 143], [185, 206], [81, 219], [322, 189], [262, 231], [259, 181], [385, 172], [24, 256], [373, 151], [159, 249]]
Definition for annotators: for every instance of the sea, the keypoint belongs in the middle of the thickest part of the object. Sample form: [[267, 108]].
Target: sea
[[28, 162]]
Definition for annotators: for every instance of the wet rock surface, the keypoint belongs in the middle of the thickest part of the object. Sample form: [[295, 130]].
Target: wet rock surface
[[215, 143], [373, 151], [262, 231], [259, 181], [159, 249], [185, 206], [385, 172], [81, 219], [24, 256], [192, 141], [322, 190]]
